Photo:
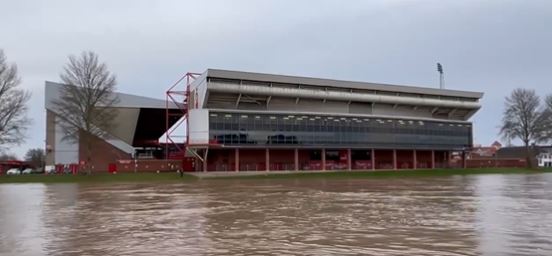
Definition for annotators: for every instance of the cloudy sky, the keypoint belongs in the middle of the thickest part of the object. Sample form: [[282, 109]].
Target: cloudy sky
[[488, 46]]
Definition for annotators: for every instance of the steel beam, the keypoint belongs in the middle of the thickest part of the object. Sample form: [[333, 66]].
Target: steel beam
[[237, 159], [323, 159], [349, 160], [296, 159], [373, 157], [394, 159], [267, 159], [414, 159]]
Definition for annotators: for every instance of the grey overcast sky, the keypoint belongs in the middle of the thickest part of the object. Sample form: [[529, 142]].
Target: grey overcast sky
[[487, 46]]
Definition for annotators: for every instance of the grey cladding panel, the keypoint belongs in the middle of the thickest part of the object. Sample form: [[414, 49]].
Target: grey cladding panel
[[271, 78]]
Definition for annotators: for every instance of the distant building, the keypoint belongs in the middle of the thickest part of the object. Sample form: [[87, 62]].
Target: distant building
[[516, 152], [542, 155], [544, 158], [479, 152]]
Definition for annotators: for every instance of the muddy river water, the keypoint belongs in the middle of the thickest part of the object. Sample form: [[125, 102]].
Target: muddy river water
[[457, 215]]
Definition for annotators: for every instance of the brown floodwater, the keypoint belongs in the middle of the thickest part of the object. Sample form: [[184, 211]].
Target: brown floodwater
[[457, 215]]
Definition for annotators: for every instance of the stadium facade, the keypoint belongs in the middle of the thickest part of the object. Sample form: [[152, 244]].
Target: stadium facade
[[242, 121]]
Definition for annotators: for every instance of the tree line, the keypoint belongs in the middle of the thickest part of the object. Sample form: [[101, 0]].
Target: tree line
[[528, 118], [84, 109]]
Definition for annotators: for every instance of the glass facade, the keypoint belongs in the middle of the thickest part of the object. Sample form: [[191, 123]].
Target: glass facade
[[263, 129]]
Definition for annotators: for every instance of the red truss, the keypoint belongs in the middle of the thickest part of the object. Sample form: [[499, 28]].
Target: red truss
[[178, 95]]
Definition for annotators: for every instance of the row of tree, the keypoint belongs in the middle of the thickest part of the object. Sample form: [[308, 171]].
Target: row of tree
[[527, 118], [84, 108]]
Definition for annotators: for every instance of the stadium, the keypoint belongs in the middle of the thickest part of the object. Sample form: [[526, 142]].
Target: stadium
[[243, 121]]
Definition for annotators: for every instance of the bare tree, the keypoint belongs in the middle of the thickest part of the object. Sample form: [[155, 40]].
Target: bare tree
[[547, 117], [86, 101], [548, 102], [35, 157], [13, 105], [523, 119]]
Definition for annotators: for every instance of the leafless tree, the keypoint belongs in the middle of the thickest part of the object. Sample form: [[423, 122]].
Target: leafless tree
[[524, 119], [13, 105], [35, 157], [86, 101], [548, 102], [547, 117]]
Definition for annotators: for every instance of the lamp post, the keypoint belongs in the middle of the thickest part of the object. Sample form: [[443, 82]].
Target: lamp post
[[441, 76]]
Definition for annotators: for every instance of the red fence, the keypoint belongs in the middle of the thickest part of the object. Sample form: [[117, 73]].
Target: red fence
[[154, 165], [489, 163]]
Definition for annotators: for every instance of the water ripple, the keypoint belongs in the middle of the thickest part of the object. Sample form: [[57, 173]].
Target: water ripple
[[473, 215]]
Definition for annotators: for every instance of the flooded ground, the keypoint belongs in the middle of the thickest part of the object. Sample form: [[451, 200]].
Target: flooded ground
[[457, 215]]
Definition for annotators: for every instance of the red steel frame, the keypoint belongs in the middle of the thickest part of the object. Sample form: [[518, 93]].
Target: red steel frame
[[178, 97]]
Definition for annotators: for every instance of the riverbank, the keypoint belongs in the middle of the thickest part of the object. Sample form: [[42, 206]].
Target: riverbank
[[365, 174], [174, 177], [103, 177]]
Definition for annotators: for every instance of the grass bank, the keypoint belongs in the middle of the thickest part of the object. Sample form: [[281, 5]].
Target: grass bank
[[385, 174], [174, 177], [103, 177]]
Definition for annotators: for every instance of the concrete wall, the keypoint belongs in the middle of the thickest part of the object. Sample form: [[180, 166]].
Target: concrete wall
[[199, 126], [66, 150], [198, 89], [50, 137]]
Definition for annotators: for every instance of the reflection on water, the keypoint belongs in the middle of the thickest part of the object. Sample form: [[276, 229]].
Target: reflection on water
[[460, 215]]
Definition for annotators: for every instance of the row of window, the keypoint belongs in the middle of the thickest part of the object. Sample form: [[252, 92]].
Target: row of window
[[344, 121], [229, 128], [286, 123]]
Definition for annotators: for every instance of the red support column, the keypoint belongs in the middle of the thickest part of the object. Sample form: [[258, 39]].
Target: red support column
[[449, 159], [414, 160], [464, 163], [445, 159], [349, 159], [432, 159], [296, 159], [323, 159], [394, 159], [373, 156], [237, 160], [205, 161], [267, 160]]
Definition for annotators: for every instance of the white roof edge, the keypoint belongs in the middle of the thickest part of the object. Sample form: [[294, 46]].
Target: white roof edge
[[125, 100], [263, 77]]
